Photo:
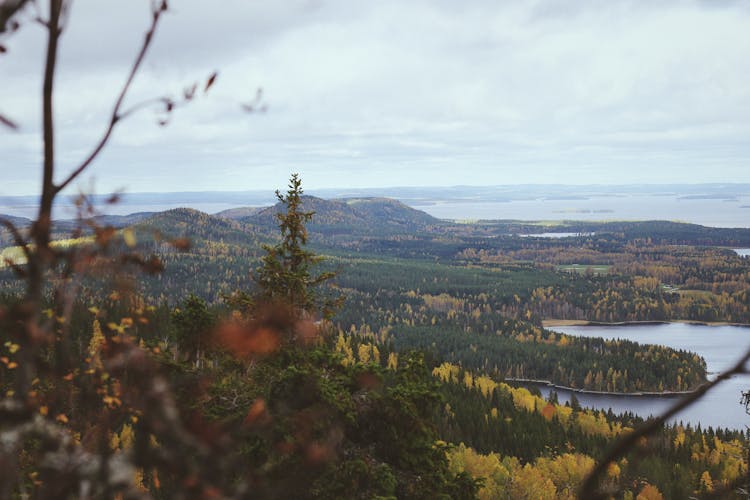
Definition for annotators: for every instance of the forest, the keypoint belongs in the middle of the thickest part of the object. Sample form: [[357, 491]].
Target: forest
[[412, 374]]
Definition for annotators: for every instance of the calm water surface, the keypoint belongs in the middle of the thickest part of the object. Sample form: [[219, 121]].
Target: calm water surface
[[707, 212], [720, 346]]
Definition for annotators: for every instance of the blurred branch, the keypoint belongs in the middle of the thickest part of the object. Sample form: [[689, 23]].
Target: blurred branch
[[157, 11], [8, 122], [589, 488], [8, 9]]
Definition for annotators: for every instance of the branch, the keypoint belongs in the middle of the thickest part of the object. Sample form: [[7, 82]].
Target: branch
[[8, 122], [166, 101], [588, 490], [157, 11], [9, 9]]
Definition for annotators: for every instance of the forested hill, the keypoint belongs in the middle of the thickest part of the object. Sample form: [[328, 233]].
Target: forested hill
[[352, 215], [197, 226]]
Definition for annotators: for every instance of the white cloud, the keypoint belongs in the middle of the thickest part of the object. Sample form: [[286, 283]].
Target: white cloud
[[399, 93]]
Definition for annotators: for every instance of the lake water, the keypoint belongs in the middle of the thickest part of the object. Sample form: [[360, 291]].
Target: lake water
[[720, 346], [707, 212], [743, 252], [733, 210]]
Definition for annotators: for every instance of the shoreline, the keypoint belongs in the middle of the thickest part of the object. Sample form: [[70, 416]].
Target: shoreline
[[548, 323], [664, 394]]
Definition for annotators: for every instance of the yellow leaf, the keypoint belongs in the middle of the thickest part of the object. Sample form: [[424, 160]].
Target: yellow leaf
[[129, 236]]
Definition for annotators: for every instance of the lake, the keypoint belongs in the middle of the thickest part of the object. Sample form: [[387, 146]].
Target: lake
[[720, 346], [706, 212], [579, 203]]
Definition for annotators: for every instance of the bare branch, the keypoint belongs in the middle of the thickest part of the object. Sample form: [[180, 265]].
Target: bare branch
[[8, 122], [8, 9], [588, 490], [157, 11], [166, 101]]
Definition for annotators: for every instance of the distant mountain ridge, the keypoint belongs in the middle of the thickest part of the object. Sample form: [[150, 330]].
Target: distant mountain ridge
[[356, 215], [197, 225]]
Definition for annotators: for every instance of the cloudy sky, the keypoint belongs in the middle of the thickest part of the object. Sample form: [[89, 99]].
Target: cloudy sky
[[394, 93]]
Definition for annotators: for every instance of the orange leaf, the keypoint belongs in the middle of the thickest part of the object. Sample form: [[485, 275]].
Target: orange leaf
[[257, 413]]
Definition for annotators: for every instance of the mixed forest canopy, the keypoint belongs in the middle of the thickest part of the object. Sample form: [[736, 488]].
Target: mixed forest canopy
[[423, 303]]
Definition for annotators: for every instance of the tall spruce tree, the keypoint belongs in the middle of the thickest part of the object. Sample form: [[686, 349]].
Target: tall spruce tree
[[285, 273]]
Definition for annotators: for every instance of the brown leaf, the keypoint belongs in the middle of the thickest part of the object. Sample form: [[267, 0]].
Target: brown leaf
[[244, 341], [104, 235], [153, 265], [189, 92], [181, 244], [318, 453], [257, 414], [210, 81], [306, 331], [368, 380]]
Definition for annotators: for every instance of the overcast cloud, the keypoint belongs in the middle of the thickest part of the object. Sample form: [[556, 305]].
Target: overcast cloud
[[395, 93]]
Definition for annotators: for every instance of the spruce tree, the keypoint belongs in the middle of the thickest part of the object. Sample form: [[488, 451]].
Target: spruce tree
[[285, 273]]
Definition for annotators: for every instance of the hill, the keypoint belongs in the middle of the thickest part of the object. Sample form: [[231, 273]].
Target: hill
[[238, 213], [198, 226], [360, 216]]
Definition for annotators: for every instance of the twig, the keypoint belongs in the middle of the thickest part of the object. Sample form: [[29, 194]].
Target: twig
[[588, 490], [8, 10], [8, 122], [157, 11]]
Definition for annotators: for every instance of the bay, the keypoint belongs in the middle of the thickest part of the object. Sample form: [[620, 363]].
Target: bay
[[721, 347]]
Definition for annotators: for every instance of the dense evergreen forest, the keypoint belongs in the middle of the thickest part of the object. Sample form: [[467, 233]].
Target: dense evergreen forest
[[407, 389]]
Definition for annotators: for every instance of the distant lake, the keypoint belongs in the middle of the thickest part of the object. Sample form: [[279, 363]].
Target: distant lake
[[743, 252], [707, 212], [720, 346]]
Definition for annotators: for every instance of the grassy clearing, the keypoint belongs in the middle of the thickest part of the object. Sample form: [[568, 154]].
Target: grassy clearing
[[703, 294], [584, 268], [16, 256]]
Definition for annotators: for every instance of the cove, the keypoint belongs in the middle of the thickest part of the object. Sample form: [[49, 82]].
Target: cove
[[721, 346]]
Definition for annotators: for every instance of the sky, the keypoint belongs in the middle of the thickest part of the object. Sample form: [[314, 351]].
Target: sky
[[391, 93]]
